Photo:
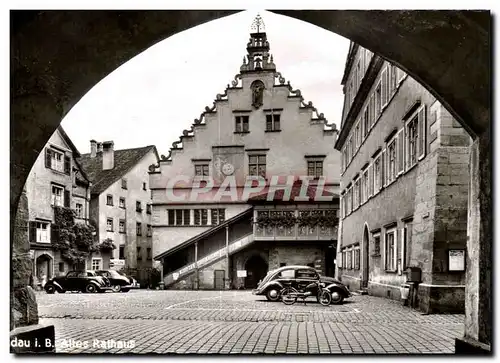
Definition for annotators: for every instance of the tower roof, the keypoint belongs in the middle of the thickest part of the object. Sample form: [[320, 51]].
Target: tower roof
[[258, 58]]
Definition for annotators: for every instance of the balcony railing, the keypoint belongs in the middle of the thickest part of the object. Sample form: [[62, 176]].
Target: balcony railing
[[295, 233]]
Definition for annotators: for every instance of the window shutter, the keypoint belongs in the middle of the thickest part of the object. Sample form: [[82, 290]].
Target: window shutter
[[422, 133], [401, 151], [32, 231], [369, 181], [48, 158], [67, 165], [383, 168], [383, 87], [66, 199], [54, 233]]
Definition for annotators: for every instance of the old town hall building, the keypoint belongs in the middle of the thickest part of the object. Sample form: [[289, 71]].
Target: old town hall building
[[208, 232], [404, 188]]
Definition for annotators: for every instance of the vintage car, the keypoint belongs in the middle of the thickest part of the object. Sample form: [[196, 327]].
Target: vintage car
[[85, 281], [118, 282], [298, 277]]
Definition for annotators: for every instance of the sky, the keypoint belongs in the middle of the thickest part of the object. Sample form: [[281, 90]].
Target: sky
[[154, 96]]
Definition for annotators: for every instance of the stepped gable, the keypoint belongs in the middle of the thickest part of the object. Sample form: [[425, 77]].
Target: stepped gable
[[257, 60]]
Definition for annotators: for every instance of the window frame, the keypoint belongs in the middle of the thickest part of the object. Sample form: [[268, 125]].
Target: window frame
[[120, 204], [393, 266], [120, 229], [257, 165], [41, 231], [94, 259], [273, 119], [109, 201], [239, 123], [79, 210], [53, 197], [376, 244], [138, 228], [315, 167], [138, 206], [124, 183], [391, 174], [108, 219], [200, 169]]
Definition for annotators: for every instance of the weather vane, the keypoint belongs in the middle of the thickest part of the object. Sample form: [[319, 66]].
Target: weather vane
[[258, 24]]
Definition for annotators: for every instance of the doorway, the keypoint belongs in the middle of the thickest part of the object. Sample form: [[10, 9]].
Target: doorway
[[366, 258], [256, 268], [43, 268], [219, 279], [331, 252]]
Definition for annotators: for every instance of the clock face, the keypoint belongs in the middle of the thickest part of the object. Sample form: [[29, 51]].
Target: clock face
[[227, 169]]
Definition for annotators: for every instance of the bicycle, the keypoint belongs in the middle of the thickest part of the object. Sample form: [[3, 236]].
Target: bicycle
[[289, 294]]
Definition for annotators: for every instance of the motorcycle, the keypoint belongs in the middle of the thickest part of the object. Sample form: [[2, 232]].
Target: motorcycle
[[289, 294]]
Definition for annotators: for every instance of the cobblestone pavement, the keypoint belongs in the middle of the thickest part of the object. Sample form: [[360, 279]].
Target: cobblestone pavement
[[238, 322]]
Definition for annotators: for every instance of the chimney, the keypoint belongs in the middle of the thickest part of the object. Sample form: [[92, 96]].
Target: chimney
[[99, 147], [108, 155], [93, 148]]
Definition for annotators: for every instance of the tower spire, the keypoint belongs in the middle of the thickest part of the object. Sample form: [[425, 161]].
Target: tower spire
[[259, 58], [257, 25]]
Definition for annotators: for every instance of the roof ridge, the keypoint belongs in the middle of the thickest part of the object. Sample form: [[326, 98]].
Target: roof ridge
[[129, 149]]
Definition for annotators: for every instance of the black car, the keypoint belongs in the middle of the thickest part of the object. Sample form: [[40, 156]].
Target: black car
[[118, 282], [85, 281], [298, 277]]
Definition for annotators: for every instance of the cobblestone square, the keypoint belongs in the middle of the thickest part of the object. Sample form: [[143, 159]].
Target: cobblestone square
[[237, 322]]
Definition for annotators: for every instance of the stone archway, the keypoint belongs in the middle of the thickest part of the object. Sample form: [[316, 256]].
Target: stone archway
[[256, 268], [447, 51]]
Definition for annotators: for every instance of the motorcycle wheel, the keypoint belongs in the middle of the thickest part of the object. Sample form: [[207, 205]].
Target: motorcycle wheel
[[289, 295], [325, 298]]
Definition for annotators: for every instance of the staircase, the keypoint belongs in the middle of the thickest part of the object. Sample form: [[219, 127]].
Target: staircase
[[233, 247]]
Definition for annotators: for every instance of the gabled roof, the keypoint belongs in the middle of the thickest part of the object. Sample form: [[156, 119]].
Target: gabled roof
[[125, 160], [295, 192], [76, 155], [208, 232]]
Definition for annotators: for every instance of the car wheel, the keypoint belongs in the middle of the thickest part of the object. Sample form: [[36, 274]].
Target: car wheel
[[273, 294], [50, 289], [61, 291], [91, 288], [325, 297], [116, 288], [337, 297]]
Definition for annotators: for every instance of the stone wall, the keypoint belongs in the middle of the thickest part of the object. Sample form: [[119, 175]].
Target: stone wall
[[23, 305]]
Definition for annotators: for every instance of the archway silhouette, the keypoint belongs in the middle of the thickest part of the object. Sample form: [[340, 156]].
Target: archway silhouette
[[448, 52], [256, 268]]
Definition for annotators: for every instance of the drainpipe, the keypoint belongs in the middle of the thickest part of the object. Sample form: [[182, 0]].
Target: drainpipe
[[196, 276], [227, 256]]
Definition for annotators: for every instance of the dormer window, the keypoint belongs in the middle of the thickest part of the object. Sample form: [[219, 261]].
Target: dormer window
[[273, 122], [241, 123]]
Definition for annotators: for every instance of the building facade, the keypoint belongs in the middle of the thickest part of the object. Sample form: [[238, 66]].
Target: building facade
[[404, 185], [56, 182], [211, 230], [120, 205]]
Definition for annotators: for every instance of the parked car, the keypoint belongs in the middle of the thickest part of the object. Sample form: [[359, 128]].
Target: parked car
[[133, 282], [118, 282], [298, 277], [85, 281]]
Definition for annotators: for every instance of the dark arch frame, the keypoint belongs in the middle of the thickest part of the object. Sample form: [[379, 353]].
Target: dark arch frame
[[448, 52]]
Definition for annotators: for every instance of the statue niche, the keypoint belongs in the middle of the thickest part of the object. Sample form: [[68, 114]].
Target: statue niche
[[257, 88]]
